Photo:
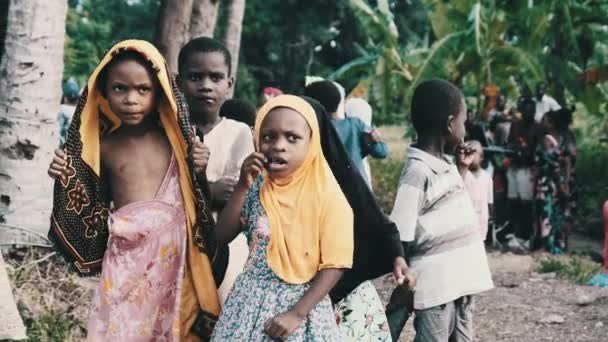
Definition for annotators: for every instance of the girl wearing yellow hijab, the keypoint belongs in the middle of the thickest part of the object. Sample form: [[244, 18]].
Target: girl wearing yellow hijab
[[299, 227], [127, 202]]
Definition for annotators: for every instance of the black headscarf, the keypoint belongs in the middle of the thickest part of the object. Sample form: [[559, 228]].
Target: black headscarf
[[377, 241]]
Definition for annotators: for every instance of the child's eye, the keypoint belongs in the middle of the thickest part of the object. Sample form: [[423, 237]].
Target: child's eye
[[118, 88], [266, 137], [195, 77], [144, 90], [292, 138], [215, 78]]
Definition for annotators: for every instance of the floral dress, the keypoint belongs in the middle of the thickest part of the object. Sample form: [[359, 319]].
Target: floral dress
[[549, 206], [360, 316], [258, 294]]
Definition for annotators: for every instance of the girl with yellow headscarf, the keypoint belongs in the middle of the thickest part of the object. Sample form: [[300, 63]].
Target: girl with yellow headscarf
[[127, 202], [300, 230]]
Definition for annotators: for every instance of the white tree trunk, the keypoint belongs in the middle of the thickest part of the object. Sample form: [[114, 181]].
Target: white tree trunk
[[204, 18], [173, 29], [30, 93], [233, 33]]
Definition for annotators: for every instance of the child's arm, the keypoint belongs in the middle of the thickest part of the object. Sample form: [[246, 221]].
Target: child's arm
[[229, 222], [286, 323], [373, 144]]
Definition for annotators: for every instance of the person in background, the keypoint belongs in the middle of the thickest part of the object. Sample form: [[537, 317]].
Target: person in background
[[500, 121], [359, 108], [358, 138], [267, 94], [479, 185], [555, 195], [71, 93], [523, 139], [437, 221], [544, 102], [205, 78], [239, 110]]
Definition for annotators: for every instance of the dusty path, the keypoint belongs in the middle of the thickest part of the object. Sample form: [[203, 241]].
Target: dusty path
[[522, 299]]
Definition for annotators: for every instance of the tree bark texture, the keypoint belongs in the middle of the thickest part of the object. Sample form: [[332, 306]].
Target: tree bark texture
[[204, 18], [30, 92], [173, 29], [233, 33]]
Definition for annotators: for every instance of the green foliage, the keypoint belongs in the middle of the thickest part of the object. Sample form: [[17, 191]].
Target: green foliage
[[592, 186], [573, 268], [93, 26], [385, 175], [52, 326]]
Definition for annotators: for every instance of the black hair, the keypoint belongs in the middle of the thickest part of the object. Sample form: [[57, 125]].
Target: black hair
[[432, 104], [239, 110], [561, 119], [122, 55], [326, 93], [204, 45]]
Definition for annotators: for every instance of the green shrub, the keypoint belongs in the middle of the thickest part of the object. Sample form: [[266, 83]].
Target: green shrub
[[52, 326], [385, 174], [573, 268], [592, 186]]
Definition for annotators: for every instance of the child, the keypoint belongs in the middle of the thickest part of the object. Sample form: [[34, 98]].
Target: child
[[479, 186], [436, 219], [205, 79], [127, 200], [358, 138], [359, 311], [239, 110], [300, 228], [359, 108]]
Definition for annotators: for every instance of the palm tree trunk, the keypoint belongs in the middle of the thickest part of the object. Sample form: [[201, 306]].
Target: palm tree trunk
[[233, 33], [204, 18], [30, 92], [173, 29]]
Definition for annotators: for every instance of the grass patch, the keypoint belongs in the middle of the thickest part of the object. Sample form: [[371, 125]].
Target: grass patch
[[52, 326], [574, 268], [53, 301]]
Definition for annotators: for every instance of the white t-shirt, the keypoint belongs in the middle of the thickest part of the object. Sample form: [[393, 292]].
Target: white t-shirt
[[434, 214], [229, 143], [481, 189], [545, 105]]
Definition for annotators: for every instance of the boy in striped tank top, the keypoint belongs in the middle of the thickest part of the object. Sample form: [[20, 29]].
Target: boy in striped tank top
[[437, 221]]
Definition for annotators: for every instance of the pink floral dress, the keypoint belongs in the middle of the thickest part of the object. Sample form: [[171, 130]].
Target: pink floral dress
[[142, 271]]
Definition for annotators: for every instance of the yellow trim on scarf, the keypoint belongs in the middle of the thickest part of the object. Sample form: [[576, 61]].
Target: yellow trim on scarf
[[311, 222], [199, 289]]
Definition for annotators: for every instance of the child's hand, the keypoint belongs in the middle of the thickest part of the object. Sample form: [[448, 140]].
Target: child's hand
[[251, 169], [402, 274], [375, 135], [58, 165], [283, 325], [465, 154], [200, 156], [222, 189]]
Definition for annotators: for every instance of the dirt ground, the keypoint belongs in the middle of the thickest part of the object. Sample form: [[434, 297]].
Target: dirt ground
[[522, 300], [524, 305]]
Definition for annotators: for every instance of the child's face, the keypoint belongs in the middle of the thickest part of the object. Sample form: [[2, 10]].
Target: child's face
[[131, 91], [456, 127], [284, 139], [205, 83], [476, 163]]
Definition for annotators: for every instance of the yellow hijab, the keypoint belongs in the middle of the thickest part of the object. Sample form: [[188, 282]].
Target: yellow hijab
[[311, 222], [198, 291]]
